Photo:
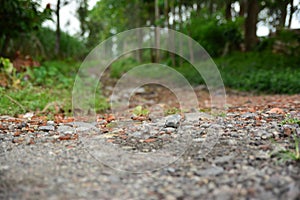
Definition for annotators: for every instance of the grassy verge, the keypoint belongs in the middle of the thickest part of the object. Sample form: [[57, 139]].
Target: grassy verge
[[46, 90], [261, 72]]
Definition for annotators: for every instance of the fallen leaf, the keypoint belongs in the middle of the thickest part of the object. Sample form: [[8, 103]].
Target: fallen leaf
[[265, 147], [276, 110], [150, 140], [17, 133], [68, 137]]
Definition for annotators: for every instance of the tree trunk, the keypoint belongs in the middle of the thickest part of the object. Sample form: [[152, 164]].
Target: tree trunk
[[243, 6], [172, 37], [211, 7], [292, 10], [166, 13], [5, 45], [180, 38], [250, 24], [139, 51], [57, 42], [283, 13], [228, 10], [157, 32]]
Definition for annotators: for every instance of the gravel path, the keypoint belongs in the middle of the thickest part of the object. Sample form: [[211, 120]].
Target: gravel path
[[188, 156]]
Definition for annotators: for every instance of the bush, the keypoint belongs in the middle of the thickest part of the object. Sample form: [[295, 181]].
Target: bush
[[53, 73], [122, 65], [261, 72], [213, 33], [41, 45]]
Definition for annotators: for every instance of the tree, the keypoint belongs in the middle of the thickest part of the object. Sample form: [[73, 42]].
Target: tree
[[59, 4], [157, 35], [292, 10], [243, 5], [250, 24], [17, 17], [82, 14], [57, 41], [228, 9]]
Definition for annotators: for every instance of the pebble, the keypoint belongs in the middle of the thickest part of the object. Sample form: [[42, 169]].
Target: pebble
[[249, 116], [235, 168], [211, 171], [65, 129], [173, 121], [46, 128], [223, 159], [50, 123]]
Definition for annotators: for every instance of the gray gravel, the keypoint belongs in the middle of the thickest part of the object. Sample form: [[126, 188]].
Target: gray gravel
[[195, 157]]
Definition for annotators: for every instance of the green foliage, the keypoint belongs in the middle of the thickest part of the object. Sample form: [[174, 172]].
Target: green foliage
[[50, 83], [40, 44], [54, 73], [7, 68], [290, 154], [122, 65], [290, 120], [16, 101], [18, 17], [285, 42], [190, 73], [214, 32], [140, 111], [172, 111], [260, 72], [70, 47], [106, 17], [251, 71]]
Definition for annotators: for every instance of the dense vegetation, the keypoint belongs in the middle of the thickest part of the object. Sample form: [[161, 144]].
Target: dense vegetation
[[226, 29]]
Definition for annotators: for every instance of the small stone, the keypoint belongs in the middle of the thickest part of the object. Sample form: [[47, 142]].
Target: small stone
[[82, 126], [173, 121], [169, 130], [28, 115], [11, 127], [50, 123], [229, 126], [192, 117], [127, 147], [249, 116], [298, 131], [213, 171], [140, 90], [223, 159], [265, 135], [171, 170], [287, 129], [46, 128], [22, 125], [65, 129], [205, 125], [199, 139], [232, 142]]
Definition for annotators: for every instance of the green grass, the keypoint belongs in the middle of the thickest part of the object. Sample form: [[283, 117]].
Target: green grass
[[261, 72], [290, 120], [16, 101], [172, 111], [47, 86], [140, 111], [290, 154]]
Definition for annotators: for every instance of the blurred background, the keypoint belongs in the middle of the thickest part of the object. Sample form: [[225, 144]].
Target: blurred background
[[255, 44]]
